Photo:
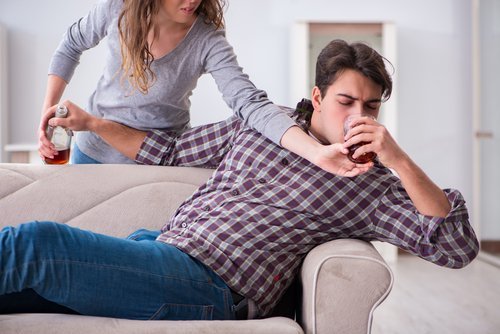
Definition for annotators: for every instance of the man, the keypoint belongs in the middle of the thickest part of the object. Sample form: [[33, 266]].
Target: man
[[245, 232]]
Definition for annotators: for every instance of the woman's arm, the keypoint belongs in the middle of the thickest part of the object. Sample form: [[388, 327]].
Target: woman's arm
[[254, 108], [123, 138], [84, 34], [204, 145]]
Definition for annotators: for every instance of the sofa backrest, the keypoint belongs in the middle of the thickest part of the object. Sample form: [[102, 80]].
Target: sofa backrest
[[110, 199]]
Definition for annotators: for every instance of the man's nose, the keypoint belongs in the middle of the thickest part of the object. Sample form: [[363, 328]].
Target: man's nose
[[358, 108]]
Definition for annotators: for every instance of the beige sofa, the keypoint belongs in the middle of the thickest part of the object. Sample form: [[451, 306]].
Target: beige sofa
[[342, 281]]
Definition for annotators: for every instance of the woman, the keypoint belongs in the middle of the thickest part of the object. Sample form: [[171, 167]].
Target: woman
[[157, 51]]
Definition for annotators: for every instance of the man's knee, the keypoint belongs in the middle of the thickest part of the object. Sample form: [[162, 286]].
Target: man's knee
[[40, 229], [30, 236]]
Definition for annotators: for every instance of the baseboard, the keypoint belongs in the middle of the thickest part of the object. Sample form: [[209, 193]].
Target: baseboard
[[487, 246], [490, 246], [488, 258]]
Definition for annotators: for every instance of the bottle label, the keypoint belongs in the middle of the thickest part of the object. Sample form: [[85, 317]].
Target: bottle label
[[61, 139]]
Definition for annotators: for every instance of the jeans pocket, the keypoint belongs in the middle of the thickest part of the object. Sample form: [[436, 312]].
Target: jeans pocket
[[184, 312], [143, 234]]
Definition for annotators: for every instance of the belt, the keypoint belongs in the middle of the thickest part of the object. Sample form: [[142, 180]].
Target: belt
[[240, 306]]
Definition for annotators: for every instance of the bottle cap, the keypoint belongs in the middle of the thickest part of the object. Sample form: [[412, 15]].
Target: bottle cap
[[61, 111]]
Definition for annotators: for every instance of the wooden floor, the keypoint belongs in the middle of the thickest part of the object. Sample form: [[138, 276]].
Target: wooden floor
[[430, 299]]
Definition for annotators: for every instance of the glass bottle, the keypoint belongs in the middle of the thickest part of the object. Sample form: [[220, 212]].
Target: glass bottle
[[61, 138]]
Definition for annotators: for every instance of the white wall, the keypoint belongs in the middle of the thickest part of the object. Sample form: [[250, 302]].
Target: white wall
[[434, 67], [490, 117], [34, 31], [3, 91]]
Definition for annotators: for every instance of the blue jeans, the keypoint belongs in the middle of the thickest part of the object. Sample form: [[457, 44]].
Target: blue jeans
[[78, 157], [94, 274]]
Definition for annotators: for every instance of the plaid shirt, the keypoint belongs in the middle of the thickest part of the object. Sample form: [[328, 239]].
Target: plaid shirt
[[265, 208]]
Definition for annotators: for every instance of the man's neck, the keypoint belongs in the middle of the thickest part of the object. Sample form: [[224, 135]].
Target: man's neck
[[313, 130]]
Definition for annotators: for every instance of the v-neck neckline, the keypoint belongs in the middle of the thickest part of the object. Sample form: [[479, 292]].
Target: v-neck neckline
[[181, 42]]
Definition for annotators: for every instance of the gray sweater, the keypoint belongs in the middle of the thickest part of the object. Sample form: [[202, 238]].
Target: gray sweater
[[166, 106]]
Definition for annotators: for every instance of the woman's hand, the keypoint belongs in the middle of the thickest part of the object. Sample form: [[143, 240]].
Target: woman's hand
[[123, 138], [55, 89], [45, 148], [333, 158], [76, 120]]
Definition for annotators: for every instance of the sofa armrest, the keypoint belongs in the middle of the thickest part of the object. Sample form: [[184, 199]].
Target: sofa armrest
[[343, 281]]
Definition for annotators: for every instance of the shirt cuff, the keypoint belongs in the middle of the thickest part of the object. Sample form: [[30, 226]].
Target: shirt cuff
[[156, 148], [458, 215]]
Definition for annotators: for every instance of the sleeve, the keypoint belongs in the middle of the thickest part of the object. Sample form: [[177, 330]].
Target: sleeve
[[82, 35], [247, 102], [202, 146], [449, 241]]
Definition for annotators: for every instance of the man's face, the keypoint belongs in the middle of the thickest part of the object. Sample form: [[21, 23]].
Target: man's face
[[351, 93]]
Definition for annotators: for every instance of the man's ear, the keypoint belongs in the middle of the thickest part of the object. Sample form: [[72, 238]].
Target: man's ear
[[316, 98]]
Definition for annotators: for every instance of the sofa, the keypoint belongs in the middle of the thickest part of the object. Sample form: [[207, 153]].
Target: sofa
[[341, 282]]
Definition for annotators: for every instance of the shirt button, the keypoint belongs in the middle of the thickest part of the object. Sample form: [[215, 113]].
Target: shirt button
[[207, 208], [262, 181], [184, 225], [284, 162], [235, 192]]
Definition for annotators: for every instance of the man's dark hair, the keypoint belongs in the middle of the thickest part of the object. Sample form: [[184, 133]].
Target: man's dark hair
[[338, 56]]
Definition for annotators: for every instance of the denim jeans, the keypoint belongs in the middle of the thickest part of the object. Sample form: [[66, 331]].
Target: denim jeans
[[78, 157], [94, 274]]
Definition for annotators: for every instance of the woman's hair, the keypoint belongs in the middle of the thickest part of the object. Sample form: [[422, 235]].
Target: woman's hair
[[338, 56], [135, 23]]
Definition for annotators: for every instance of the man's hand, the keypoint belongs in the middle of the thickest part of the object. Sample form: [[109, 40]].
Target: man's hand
[[428, 198], [378, 140]]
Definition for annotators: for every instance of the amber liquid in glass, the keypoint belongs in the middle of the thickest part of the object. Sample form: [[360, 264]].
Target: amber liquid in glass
[[60, 159], [362, 159]]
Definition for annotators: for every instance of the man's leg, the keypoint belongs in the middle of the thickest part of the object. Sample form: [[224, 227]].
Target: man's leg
[[28, 301], [99, 275]]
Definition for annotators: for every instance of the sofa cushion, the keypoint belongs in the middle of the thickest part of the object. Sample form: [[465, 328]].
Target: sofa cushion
[[75, 324]]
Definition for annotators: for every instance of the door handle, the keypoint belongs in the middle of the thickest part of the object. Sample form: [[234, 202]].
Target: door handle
[[484, 134]]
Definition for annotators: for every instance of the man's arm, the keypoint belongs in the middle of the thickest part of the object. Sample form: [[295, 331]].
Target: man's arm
[[201, 146], [447, 241], [427, 197]]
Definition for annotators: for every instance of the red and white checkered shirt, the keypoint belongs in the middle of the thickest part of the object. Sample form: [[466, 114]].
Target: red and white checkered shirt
[[265, 208]]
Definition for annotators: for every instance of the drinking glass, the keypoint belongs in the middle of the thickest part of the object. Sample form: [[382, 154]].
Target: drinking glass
[[365, 157]]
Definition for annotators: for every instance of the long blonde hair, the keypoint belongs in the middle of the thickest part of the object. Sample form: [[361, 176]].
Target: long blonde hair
[[135, 23]]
